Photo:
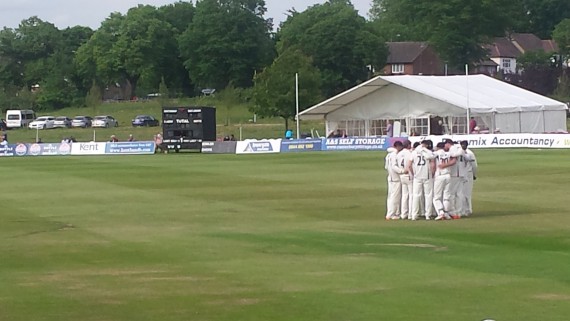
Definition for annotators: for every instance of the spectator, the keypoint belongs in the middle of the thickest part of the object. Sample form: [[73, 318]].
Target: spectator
[[472, 125], [289, 134], [158, 142], [72, 139], [114, 139], [232, 138], [4, 140], [131, 138], [389, 129]]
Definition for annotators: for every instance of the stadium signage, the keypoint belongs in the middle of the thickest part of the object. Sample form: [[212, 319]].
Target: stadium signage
[[360, 143], [301, 145], [130, 148], [507, 140], [259, 146]]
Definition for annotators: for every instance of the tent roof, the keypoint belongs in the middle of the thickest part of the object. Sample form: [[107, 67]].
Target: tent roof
[[478, 93]]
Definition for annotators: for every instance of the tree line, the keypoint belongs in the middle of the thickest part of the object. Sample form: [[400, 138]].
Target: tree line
[[181, 48]]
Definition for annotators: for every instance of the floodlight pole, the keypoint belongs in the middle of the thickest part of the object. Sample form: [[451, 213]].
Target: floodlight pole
[[297, 105], [468, 107]]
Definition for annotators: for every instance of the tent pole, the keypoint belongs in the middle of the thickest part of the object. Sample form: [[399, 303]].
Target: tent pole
[[468, 107], [297, 105]]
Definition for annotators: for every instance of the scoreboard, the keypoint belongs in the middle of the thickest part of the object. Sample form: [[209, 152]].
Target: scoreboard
[[185, 128]]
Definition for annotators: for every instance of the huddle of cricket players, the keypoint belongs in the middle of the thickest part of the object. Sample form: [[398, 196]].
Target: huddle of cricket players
[[430, 183]]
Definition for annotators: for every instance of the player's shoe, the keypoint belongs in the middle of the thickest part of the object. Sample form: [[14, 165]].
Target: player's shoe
[[428, 218], [447, 217], [392, 218], [440, 217], [404, 217]]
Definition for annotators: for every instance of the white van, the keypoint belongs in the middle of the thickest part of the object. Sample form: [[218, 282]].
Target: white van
[[17, 118]]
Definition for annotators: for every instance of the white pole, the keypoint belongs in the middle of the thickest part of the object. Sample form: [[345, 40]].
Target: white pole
[[468, 107], [297, 105], [240, 133], [37, 134], [94, 135]]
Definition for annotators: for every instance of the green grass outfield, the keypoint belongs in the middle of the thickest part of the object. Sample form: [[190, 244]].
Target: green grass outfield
[[277, 237]]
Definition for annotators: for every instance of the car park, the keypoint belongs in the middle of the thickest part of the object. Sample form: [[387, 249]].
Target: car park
[[104, 121], [44, 122], [62, 122], [145, 120], [81, 121]]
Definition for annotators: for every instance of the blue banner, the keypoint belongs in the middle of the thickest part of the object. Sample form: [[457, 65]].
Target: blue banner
[[355, 143], [7, 150], [130, 148], [301, 145]]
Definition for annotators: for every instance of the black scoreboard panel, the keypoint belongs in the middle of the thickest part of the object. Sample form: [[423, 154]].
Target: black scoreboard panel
[[186, 127]]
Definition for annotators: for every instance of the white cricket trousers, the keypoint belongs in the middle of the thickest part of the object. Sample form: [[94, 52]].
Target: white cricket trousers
[[468, 191], [423, 191], [442, 194], [394, 199], [407, 195], [456, 191], [461, 198]]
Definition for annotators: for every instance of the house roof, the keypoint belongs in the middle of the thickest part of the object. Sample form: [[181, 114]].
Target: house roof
[[479, 93], [503, 48], [405, 52], [519, 43]]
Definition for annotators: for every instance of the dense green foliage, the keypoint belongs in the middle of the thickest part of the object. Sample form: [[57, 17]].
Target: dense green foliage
[[342, 44], [275, 88], [276, 237], [225, 43]]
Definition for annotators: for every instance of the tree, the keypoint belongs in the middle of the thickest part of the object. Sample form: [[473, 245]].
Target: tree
[[539, 17], [274, 93], [456, 28], [226, 43], [340, 42], [561, 35], [93, 98], [131, 47], [164, 92], [537, 71]]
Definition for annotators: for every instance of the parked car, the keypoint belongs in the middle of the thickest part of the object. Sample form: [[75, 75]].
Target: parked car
[[44, 122], [145, 120], [104, 121], [81, 121], [62, 122]]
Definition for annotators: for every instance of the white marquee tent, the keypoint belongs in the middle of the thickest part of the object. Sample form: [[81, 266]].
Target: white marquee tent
[[417, 101]]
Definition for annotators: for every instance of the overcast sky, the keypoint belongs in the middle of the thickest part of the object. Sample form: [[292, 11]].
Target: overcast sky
[[64, 13]]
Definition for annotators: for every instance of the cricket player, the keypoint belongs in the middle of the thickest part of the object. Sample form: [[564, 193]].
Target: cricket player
[[442, 196], [422, 168], [394, 188], [471, 175], [456, 182], [403, 157]]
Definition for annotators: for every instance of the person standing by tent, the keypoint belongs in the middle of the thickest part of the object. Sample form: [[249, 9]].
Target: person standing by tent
[[405, 180], [393, 200], [472, 125], [389, 129]]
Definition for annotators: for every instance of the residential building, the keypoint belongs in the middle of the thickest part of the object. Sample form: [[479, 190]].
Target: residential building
[[412, 58]]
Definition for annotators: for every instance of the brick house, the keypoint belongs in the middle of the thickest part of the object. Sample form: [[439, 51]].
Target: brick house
[[412, 58]]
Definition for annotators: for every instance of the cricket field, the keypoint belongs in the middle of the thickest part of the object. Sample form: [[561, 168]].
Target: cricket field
[[296, 237]]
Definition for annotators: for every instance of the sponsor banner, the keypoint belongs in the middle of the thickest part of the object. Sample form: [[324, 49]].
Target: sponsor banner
[[506, 140], [227, 147], [301, 145], [92, 148], [129, 148], [266, 146], [355, 143], [7, 150]]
